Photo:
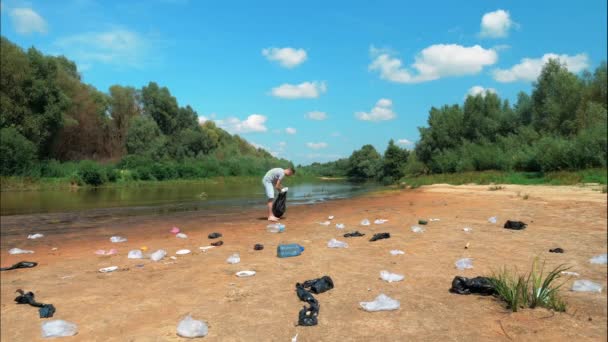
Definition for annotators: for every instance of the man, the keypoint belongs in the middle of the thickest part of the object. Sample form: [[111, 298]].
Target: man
[[272, 180]]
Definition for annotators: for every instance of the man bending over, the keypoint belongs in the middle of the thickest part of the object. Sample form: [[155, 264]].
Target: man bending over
[[271, 181]]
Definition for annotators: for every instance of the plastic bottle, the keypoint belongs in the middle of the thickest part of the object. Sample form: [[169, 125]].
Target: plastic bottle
[[275, 228], [289, 250]]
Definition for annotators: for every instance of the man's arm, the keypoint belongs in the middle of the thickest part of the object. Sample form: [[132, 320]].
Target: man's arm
[[278, 185]]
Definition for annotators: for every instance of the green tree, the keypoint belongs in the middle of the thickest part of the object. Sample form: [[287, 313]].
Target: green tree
[[393, 162], [17, 153], [364, 164], [123, 107], [161, 106], [145, 138]]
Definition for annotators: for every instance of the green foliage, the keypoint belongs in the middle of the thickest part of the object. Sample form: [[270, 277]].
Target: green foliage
[[393, 163], [17, 154], [364, 164], [92, 173]]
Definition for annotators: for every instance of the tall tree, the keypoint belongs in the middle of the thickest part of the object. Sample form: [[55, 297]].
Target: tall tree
[[393, 162], [365, 163], [123, 106], [161, 106]]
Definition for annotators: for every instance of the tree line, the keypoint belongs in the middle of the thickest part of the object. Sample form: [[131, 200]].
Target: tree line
[[54, 125]]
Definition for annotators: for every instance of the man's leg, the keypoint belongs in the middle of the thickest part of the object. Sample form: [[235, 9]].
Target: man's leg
[[270, 196]]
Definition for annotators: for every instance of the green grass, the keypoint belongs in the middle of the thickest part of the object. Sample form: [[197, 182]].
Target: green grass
[[531, 290], [501, 177]]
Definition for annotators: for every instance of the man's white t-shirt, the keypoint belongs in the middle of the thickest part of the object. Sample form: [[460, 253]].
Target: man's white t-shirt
[[274, 175]]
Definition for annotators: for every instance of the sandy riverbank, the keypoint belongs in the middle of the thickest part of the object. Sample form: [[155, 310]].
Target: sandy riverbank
[[146, 303]]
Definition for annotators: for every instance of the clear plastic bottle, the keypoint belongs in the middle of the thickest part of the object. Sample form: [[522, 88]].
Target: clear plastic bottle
[[289, 250], [275, 228]]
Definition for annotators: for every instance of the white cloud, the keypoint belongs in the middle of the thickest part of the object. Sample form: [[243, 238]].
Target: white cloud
[[290, 130], [383, 110], [253, 123], [476, 90], [287, 57], [117, 46], [316, 146], [433, 62], [405, 142], [305, 90], [27, 21], [202, 119], [496, 24], [316, 115], [282, 144], [529, 68]]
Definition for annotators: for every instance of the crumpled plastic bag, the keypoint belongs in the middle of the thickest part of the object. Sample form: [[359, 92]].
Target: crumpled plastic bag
[[191, 328], [108, 269], [467, 229], [58, 328], [333, 243], [586, 286], [19, 251], [380, 221], [183, 252], [493, 219], [135, 254], [340, 226], [158, 255], [117, 239], [104, 252], [325, 223], [181, 236], [243, 274], [478, 285], [391, 277], [365, 222], [396, 252], [417, 229], [35, 236], [464, 263], [381, 303], [599, 259], [234, 259]]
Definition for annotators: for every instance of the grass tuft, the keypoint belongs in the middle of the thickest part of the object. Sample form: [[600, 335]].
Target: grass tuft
[[496, 187]]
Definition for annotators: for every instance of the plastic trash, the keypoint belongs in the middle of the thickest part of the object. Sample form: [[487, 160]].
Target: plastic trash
[[381, 303], [135, 254], [258, 247], [19, 251], [556, 250], [108, 269], [234, 259], [279, 206], [478, 285], [365, 222], [35, 236], [515, 225], [599, 259], [380, 236], [275, 228], [183, 252], [181, 236], [353, 234], [340, 226], [217, 243], [434, 220], [333, 243], [330, 217], [20, 264], [214, 235], [206, 248], [380, 221], [325, 223], [396, 252], [391, 277], [318, 285], [568, 273], [191, 328], [117, 239], [173, 257], [493, 219], [417, 229], [158, 255], [295, 338], [242, 274], [289, 250], [586, 286], [174, 230], [423, 222], [463, 264], [103, 252], [467, 229], [58, 328]]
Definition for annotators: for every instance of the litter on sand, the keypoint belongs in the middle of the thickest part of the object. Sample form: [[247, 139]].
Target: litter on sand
[[108, 269], [515, 225], [417, 229], [325, 223], [243, 274], [467, 229], [117, 239], [599, 259], [586, 286], [308, 315], [340, 226], [396, 252], [380, 236], [333, 243], [568, 273], [44, 310], [174, 230], [173, 257], [135, 254], [330, 217], [191, 328], [478, 285], [58, 328], [181, 236], [295, 338], [434, 220], [35, 236], [20, 264], [353, 234], [258, 247], [422, 222], [380, 221], [493, 219], [391, 277], [365, 222], [206, 248], [217, 243], [104, 252], [214, 235], [463, 264], [275, 228], [319, 285], [381, 303], [19, 251], [183, 252], [158, 255], [234, 259], [556, 250]]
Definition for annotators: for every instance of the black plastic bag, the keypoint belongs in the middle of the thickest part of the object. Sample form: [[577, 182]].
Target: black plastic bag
[[280, 204], [557, 250], [478, 285], [308, 316], [45, 310], [20, 264], [214, 235], [380, 236], [353, 234], [515, 225], [319, 285]]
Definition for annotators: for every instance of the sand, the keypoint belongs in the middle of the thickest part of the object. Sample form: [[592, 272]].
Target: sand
[[146, 303]]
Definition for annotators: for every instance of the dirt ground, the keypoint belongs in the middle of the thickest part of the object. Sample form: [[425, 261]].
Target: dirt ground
[[145, 303]]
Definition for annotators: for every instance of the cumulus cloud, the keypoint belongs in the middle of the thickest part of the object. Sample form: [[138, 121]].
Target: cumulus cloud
[[286, 57], [529, 68], [382, 111], [290, 130], [496, 24], [305, 90], [253, 123], [27, 21], [316, 146], [316, 115], [433, 62], [476, 90], [405, 142]]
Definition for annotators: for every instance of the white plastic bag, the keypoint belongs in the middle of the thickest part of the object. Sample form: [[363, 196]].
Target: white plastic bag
[[181, 236], [463, 264], [599, 259], [243, 274], [330, 217], [396, 252], [417, 229], [391, 277], [135, 254], [586, 286], [467, 229], [434, 220], [365, 222], [381, 303], [58, 328], [380, 221], [108, 269], [158, 255], [206, 248], [493, 219], [183, 252], [117, 239], [19, 251], [333, 243], [191, 328], [340, 226], [326, 223], [234, 259], [35, 236]]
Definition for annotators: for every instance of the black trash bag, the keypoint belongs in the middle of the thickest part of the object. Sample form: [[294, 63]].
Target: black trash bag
[[557, 250], [20, 264], [308, 316], [217, 243], [478, 285], [280, 204], [45, 310], [304, 295], [380, 236], [319, 285], [258, 247], [214, 235], [353, 234], [515, 225]]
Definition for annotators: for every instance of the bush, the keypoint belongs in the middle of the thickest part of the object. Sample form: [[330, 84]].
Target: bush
[[92, 173], [55, 169], [17, 154]]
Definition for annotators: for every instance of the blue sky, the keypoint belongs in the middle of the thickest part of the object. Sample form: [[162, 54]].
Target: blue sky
[[314, 80]]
